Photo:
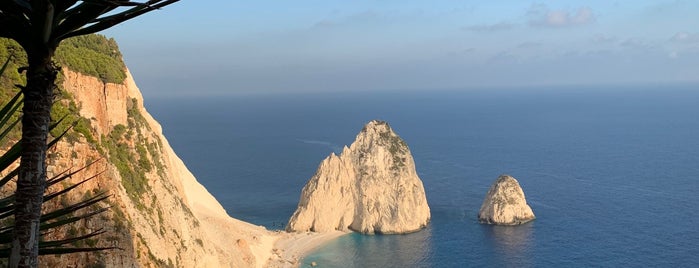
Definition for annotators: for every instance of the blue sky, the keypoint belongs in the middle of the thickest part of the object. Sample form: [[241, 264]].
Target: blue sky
[[224, 47]]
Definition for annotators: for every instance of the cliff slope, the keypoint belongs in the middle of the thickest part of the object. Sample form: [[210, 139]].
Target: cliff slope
[[372, 187], [161, 216]]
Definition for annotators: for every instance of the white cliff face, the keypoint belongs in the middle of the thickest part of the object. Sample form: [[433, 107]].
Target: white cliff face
[[176, 221], [505, 204], [371, 187]]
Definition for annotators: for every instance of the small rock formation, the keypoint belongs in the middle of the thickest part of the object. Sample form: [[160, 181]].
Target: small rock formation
[[505, 204], [371, 187]]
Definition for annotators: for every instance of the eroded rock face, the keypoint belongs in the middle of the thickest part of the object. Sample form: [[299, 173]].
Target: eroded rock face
[[371, 187], [505, 204], [175, 222]]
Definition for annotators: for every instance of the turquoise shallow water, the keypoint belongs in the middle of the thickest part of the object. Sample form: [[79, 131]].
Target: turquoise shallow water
[[611, 174]]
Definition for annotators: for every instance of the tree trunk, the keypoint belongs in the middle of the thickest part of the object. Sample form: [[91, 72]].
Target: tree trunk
[[31, 184]]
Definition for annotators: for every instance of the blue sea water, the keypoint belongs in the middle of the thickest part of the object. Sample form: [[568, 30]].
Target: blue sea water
[[612, 174]]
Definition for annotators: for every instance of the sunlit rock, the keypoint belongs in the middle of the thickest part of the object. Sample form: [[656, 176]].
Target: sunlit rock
[[371, 187], [505, 204]]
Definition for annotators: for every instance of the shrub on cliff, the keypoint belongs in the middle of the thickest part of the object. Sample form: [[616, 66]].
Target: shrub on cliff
[[94, 55]]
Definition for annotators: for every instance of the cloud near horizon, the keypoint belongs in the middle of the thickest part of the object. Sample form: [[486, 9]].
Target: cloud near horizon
[[685, 38], [541, 16], [489, 28], [349, 45]]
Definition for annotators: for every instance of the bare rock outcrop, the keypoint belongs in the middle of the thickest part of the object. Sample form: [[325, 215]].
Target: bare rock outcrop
[[175, 221], [505, 204], [371, 187]]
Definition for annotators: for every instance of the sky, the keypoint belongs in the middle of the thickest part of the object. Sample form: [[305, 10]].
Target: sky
[[219, 47]]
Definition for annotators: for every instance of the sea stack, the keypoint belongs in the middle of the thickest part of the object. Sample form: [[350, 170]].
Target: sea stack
[[505, 204], [371, 187]]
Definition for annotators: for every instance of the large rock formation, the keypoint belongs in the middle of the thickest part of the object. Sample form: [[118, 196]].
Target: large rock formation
[[160, 215], [371, 187], [505, 204]]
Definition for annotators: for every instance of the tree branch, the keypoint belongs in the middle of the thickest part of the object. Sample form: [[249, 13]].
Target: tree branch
[[109, 21], [78, 16]]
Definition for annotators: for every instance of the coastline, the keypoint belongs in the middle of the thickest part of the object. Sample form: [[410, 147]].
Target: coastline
[[253, 245], [290, 248], [236, 242]]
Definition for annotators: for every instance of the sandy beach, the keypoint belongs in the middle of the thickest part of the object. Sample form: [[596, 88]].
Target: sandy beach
[[290, 248]]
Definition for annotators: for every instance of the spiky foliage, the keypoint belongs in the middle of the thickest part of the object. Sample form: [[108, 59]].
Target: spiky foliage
[[50, 220], [56, 20], [39, 26], [55, 219]]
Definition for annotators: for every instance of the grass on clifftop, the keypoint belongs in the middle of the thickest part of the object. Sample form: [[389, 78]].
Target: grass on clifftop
[[93, 55]]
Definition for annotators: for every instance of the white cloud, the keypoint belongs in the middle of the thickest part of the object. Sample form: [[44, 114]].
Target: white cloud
[[636, 43], [364, 17], [685, 37], [324, 23], [503, 57], [528, 45], [541, 16], [487, 28], [604, 39]]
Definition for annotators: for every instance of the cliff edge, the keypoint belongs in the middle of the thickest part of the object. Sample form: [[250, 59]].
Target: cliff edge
[[505, 204], [157, 213], [160, 215], [371, 187]]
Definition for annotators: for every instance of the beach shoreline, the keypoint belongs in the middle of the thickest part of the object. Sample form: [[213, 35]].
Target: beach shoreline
[[290, 248]]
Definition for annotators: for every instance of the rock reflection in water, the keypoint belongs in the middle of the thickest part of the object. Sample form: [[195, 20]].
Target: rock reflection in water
[[511, 244]]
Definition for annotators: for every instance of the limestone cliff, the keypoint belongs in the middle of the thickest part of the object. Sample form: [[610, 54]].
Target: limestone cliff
[[371, 187], [505, 204], [160, 216]]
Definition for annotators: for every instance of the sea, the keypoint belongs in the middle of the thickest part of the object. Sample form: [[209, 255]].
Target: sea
[[612, 173]]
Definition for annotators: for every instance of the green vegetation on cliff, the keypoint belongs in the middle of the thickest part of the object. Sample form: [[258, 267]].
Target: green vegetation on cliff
[[61, 218], [97, 56], [130, 148], [67, 109], [10, 77], [93, 55], [127, 147], [134, 154]]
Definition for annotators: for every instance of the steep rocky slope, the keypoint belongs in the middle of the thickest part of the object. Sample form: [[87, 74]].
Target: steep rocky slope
[[372, 187], [505, 204], [160, 215]]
